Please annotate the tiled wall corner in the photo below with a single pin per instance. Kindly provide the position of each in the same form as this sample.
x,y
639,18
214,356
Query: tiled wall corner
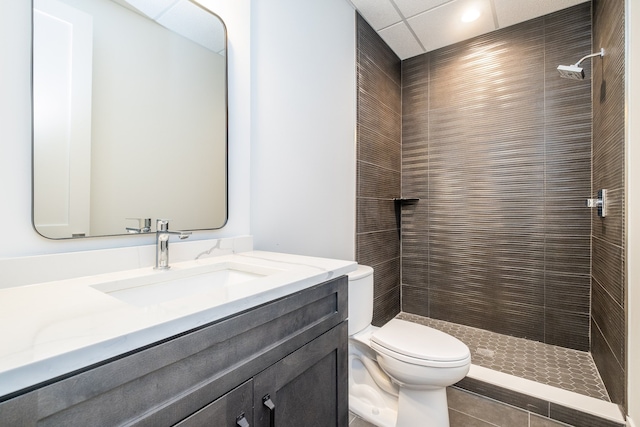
x,y
378,168
608,314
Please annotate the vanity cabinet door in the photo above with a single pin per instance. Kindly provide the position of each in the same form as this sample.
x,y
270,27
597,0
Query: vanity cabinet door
x,y
309,387
231,410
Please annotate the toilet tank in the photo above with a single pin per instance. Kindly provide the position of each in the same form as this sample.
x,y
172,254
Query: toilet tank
x,y
360,298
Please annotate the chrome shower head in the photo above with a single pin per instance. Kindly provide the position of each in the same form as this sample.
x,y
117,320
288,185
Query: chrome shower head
x,y
571,72
575,72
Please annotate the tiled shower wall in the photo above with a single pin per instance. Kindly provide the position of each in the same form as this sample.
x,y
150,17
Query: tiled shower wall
x,y
498,149
378,183
608,327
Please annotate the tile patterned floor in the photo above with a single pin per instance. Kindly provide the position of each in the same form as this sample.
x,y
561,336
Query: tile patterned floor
x,y
548,364
355,421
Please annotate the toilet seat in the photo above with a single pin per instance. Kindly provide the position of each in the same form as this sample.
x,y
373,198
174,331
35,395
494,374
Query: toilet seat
x,y
419,345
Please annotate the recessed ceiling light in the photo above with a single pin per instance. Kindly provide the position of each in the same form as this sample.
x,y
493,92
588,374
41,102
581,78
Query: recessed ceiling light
x,y
470,15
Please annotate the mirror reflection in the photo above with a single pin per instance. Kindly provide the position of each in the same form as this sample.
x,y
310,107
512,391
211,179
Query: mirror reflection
x,y
129,116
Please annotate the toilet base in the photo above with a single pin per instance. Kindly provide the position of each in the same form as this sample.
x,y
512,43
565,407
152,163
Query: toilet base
x,y
426,408
360,405
423,407
366,399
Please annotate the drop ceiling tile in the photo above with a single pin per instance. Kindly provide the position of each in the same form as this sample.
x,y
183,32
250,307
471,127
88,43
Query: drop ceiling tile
x,y
408,8
401,40
442,26
436,22
510,12
378,13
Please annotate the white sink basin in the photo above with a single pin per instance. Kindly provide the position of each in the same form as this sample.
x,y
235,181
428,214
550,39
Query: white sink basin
x,y
223,281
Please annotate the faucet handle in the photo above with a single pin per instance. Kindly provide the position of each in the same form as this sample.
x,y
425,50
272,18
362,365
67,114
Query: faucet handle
x,y
144,225
162,225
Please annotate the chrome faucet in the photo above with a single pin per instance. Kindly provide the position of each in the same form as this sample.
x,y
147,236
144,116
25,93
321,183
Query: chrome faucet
x,y
144,225
162,243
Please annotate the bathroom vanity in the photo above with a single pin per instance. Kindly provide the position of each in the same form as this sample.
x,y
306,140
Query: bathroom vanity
x,y
274,354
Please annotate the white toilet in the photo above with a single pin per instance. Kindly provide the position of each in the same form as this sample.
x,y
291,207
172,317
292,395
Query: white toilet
x,y
398,373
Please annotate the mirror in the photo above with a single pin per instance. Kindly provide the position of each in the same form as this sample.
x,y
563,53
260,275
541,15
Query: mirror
x,y
129,116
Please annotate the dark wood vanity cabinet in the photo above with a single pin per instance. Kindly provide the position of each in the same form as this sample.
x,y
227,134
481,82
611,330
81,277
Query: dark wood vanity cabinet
x,y
280,364
232,409
305,388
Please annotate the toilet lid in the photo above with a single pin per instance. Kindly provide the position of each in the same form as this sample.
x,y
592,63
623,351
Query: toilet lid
x,y
420,342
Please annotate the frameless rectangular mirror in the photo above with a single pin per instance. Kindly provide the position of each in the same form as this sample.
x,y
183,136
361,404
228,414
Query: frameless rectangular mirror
x,y
129,116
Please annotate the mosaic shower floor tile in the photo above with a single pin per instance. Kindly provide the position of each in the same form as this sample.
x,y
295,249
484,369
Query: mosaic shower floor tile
x,y
560,367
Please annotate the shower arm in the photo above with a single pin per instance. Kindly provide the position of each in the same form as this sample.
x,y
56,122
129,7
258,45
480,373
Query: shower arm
x,y
601,53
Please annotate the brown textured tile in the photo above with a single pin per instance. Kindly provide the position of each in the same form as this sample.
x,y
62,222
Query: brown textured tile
x,y
415,271
415,98
415,70
415,175
386,306
386,276
415,300
609,316
519,400
374,51
574,417
377,182
607,268
415,217
376,215
568,292
415,242
568,216
486,58
471,308
459,419
378,247
415,130
378,150
568,254
612,372
538,421
567,329
486,410
608,156
380,86
377,116
611,227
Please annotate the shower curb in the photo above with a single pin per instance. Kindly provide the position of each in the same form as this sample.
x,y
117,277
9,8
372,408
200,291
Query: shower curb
x,y
544,400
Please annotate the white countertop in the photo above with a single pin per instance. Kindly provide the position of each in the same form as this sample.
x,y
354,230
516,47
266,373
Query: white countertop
x,y
54,328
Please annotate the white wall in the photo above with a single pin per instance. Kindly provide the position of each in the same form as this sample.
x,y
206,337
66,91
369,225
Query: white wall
x,y
303,127
17,235
633,206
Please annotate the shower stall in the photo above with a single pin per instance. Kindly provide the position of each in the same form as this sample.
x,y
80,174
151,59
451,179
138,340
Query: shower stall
x,y
474,163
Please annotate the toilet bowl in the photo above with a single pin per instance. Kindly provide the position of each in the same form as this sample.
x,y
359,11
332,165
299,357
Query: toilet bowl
x,y
398,373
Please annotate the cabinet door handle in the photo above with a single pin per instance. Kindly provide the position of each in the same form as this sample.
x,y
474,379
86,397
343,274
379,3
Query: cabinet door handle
x,y
241,421
266,401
